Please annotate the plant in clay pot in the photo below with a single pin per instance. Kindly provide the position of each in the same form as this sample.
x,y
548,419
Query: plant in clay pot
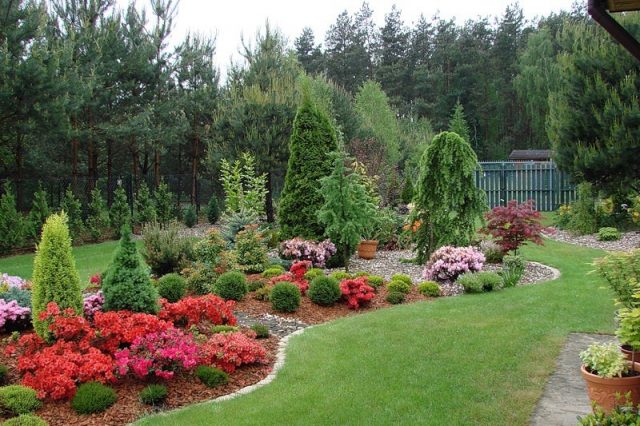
x,y
628,333
608,374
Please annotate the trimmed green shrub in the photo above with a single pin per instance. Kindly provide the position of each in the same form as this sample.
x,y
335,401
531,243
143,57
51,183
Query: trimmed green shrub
x,y
375,281
263,294
119,213
165,203
224,329
231,286
480,281
98,215
213,210
18,399
429,289
25,420
251,251
395,297
513,268
165,250
171,287
72,206
189,216
608,234
126,285
285,297
402,277
153,394
273,271
313,273
360,274
261,330
39,212
55,277
11,222
399,286
470,283
93,397
211,376
312,139
4,371
324,291
255,285
144,205
200,278
340,275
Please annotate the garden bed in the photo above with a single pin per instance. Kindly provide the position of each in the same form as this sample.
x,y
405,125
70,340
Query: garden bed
x,y
628,240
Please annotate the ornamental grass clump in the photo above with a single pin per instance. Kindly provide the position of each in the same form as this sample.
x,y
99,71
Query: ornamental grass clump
x,y
513,268
211,376
153,394
447,263
285,297
93,397
324,291
604,360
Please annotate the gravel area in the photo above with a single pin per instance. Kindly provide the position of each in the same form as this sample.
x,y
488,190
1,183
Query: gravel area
x,y
278,326
627,242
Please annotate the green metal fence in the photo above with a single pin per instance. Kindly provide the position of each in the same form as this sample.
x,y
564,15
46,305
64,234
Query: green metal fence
x,y
539,180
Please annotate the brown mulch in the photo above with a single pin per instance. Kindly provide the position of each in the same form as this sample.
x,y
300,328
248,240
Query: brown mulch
x,y
183,389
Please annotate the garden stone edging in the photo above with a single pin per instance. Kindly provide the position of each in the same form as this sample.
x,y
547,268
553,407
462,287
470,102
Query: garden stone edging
x,y
277,365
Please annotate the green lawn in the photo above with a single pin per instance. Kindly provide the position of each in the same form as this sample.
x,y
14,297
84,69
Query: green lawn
x,y
476,359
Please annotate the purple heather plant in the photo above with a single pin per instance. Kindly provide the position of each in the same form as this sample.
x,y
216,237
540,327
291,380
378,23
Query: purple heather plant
x,y
11,312
92,304
447,263
299,249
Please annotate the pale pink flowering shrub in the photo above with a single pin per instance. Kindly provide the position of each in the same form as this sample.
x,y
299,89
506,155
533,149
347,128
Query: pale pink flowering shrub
x,y
11,312
447,263
11,281
92,304
299,249
160,354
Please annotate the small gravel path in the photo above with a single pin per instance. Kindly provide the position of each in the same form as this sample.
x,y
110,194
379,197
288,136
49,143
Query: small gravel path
x,y
627,242
278,326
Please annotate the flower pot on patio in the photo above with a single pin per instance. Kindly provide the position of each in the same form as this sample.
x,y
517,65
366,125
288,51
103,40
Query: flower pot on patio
x,y
367,249
603,390
628,353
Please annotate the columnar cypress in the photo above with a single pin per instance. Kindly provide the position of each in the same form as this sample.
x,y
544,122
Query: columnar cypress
x,y
312,139
72,206
145,207
55,277
98,217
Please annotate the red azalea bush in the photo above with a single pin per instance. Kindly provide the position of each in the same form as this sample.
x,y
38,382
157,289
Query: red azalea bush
x,y
160,354
194,310
295,276
228,351
514,224
119,328
357,292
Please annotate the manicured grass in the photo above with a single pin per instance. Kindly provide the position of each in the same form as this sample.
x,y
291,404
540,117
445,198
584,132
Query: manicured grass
x,y
476,359
90,258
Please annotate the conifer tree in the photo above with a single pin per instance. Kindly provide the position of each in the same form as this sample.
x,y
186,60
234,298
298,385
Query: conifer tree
x,y
144,206
72,206
11,221
165,204
447,202
39,212
313,138
119,213
55,277
458,123
98,216
347,209
213,210
127,285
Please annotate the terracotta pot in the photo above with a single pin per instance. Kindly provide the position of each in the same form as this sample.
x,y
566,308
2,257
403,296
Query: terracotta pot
x,y
603,391
628,353
367,249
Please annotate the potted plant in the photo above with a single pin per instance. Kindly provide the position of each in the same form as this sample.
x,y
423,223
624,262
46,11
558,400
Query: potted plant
x,y
628,333
608,374
369,243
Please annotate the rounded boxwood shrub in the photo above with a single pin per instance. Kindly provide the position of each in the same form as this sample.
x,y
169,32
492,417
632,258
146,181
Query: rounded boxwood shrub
x,y
25,420
261,330
402,277
608,234
224,329
312,273
273,271
324,291
399,286
172,287
429,288
375,281
18,399
93,397
285,297
395,297
153,394
231,286
340,275
211,376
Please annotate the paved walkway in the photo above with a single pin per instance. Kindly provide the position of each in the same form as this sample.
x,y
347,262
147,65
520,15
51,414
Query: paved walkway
x,y
565,394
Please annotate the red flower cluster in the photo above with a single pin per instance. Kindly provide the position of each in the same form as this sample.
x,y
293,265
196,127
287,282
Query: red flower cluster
x,y
95,280
228,351
194,310
357,292
119,328
295,276
513,225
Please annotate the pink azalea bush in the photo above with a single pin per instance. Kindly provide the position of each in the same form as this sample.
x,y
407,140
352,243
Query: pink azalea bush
x,y
160,354
229,351
11,281
299,249
11,312
448,263
92,304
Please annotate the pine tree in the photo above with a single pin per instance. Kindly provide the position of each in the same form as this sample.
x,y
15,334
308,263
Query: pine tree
x,y
72,206
144,206
213,210
165,203
448,203
312,140
119,214
39,213
458,123
55,277
11,221
347,209
127,285
98,216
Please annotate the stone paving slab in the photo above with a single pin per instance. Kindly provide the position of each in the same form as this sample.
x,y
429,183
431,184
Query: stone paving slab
x,y
565,394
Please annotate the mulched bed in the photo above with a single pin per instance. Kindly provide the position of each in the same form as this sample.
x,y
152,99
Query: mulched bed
x,y
183,389
628,240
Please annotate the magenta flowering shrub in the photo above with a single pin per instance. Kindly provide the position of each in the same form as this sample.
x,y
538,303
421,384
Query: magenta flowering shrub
x,y
160,354
92,304
11,313
299,249
447,263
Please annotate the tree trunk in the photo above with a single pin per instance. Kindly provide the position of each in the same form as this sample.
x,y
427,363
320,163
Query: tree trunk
x,y
156,167
269,198
19,155
74,164
134,164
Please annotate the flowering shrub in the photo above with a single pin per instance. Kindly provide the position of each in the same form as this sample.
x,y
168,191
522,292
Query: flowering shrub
x,y
11,313
10,281
299,249
357,292
447,263
118,328
194,310
513,225
160,354
95,280
92,303
228,351
295,275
